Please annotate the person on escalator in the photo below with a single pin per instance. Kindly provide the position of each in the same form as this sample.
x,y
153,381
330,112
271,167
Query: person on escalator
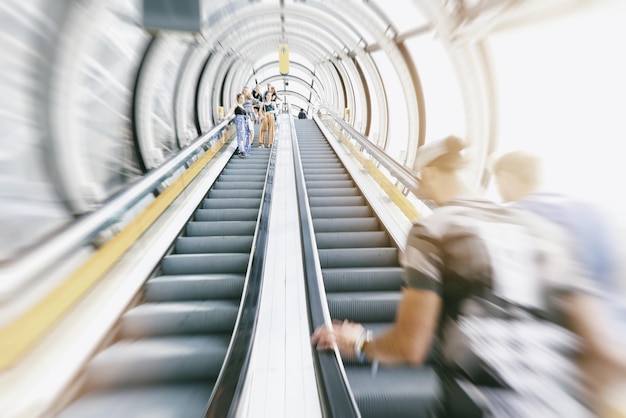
x,y
267,111
468,246
258,97
241,124
519,179
248,104
302,114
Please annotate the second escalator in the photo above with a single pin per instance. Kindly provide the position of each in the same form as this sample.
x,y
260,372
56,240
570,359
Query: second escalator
x,y
362,279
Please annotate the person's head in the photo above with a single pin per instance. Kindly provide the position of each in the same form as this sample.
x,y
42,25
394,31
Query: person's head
x,y
246,92
438,163
268,96
257,88
517,174
240,98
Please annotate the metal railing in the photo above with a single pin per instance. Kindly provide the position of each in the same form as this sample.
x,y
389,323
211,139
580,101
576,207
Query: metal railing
x,y
19,272
404,175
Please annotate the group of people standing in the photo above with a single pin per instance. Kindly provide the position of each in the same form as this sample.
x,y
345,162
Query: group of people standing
x,y
252,107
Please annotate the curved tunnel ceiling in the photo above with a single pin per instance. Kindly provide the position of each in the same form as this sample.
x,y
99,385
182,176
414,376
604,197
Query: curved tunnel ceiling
x,y
322,32
123,98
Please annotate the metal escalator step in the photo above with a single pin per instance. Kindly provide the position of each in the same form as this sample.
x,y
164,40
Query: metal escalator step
x,y
329,184
231,214
341,212
326,177
326,192
364,306
220,228
157,360
397,392
323,165
246,171
251,181
323,171
218,244
337,201
345,224
232,203
238,185
358,257
352,239
363,279
194,287
162,401
320,158
319,154
205,263
229,193
183,317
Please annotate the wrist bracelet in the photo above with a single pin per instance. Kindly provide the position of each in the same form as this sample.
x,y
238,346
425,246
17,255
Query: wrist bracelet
x,y
359,344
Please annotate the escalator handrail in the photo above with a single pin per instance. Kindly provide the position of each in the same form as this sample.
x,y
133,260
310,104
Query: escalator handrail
x,y
404,175
21,271
337,399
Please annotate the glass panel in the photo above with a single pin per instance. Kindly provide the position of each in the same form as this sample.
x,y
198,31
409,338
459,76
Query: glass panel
x,y
404,14
30,207
397,109
561,90
374,134
440,85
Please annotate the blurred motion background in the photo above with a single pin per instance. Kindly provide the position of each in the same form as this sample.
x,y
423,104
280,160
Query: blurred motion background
x,y
91,100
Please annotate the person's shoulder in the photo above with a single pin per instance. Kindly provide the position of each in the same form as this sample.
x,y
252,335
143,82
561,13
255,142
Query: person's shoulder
x,y
439,221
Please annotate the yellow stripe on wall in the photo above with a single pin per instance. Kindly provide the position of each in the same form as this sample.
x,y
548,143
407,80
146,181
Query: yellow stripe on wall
x,y
19,336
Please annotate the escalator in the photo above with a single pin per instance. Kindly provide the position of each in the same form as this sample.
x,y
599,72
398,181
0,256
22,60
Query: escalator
x,y
169,348
362,279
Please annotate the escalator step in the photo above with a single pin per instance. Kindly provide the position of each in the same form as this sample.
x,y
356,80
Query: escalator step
x,y
229,193
162,401
364,306
397,392
157,360
230,214
337,201
358,257
353,239
363,279
342,191
219,244
232,203
194,287
345,224
184,317
341,212
205,263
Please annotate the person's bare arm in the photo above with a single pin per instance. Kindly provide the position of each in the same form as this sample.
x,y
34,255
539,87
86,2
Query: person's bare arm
x,y
408,341
410,338
590,321
231,111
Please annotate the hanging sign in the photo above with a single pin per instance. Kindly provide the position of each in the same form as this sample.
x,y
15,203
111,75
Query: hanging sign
x,y
283,59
